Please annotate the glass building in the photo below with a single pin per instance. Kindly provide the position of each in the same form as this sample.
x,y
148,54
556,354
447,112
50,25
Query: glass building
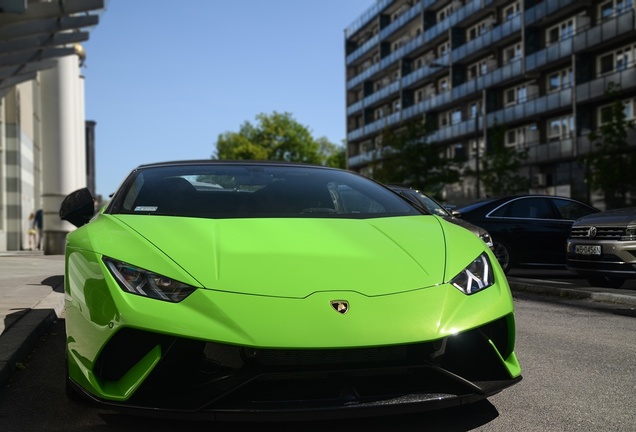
x,y
541,68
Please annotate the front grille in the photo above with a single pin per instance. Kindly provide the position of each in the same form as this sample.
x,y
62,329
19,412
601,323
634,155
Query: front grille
x,y
602,233
210,376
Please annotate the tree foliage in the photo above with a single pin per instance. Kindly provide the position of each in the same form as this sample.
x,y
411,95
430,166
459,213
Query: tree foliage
x,y
407,157
499,171
611,163
280,137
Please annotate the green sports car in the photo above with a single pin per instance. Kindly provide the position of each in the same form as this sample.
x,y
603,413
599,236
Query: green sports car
x,y
224,290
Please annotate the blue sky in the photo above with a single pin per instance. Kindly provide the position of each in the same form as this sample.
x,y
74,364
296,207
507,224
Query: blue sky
x,y
165,78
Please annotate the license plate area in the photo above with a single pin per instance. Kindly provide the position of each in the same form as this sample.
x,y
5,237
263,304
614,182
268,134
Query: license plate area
x,y
587,249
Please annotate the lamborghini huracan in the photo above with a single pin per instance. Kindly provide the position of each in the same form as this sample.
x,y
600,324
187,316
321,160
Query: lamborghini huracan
x,y
230,290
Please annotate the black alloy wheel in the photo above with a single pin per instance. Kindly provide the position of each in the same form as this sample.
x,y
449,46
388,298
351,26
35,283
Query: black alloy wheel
x,y
503,255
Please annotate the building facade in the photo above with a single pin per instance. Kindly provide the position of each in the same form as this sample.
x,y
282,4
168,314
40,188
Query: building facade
x,y
540,68
43,132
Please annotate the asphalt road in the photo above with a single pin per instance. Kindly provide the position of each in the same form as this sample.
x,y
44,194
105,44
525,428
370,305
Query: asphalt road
x,y
578,366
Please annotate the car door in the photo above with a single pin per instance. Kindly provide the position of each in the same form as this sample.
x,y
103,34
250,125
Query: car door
x,y
532,230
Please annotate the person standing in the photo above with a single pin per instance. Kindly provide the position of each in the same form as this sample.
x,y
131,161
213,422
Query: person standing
x,y
32,232
37,224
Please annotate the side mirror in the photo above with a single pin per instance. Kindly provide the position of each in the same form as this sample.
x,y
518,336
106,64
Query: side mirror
x,y
78,207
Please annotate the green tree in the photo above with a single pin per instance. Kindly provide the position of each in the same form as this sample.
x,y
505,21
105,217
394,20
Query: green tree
x,y
407,157
277,136
612,162
500,166
331,155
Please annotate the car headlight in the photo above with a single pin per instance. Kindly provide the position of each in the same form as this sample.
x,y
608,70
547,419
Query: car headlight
x,y
138,281
630,233
476,277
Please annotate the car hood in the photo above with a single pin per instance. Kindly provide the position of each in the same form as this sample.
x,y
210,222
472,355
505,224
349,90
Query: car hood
x,y
287,257
618,217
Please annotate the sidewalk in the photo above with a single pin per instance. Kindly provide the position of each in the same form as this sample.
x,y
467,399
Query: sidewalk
x,y
32,297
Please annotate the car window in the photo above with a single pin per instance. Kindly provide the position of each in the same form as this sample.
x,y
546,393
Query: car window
x,y
433,206
226,191
572,210
525,208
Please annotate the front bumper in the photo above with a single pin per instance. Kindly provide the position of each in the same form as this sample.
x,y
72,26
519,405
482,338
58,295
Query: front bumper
x,y
223,382
617,259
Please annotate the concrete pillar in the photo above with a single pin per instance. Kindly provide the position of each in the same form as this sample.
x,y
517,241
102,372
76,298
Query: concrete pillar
x,y
61,145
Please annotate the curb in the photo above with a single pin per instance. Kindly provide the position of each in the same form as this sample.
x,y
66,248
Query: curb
x,y
590,294
21,337
18,341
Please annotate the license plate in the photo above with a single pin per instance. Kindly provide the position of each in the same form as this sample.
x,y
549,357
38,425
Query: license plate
x,y
587,249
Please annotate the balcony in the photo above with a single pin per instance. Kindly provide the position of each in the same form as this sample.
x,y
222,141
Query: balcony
x,y
537,107
487,39
460,15
551,151
597,87
385,92
367,16
544,9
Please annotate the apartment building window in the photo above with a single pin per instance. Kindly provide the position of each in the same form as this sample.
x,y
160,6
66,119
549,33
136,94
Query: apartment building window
x,y
512,53
480,68
605,112
426,59
424,93
444,119
400,42
473,147
405,7
617,60
366,147
522,136
450,117
612,8
474,109
448,10
560,128
381,112
480,28
559,80
443,84
561,31
515,95
456,116
443,48
511,11
381,83
419,95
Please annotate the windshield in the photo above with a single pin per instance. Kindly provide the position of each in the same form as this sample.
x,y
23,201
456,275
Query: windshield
x,y
216,190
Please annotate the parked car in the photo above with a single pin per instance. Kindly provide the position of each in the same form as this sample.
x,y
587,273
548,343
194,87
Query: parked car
x,y
602,247
290,290
421,199
527,230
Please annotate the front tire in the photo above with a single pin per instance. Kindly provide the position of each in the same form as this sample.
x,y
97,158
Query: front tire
x,y
606,281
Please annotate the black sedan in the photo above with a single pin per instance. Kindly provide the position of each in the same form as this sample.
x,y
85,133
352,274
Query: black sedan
x,y
527,230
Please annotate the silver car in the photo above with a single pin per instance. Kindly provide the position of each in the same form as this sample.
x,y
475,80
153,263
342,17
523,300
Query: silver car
x,y
602,247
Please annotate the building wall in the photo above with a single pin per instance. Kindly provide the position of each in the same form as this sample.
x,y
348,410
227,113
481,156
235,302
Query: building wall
x,y
19,166
538,67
